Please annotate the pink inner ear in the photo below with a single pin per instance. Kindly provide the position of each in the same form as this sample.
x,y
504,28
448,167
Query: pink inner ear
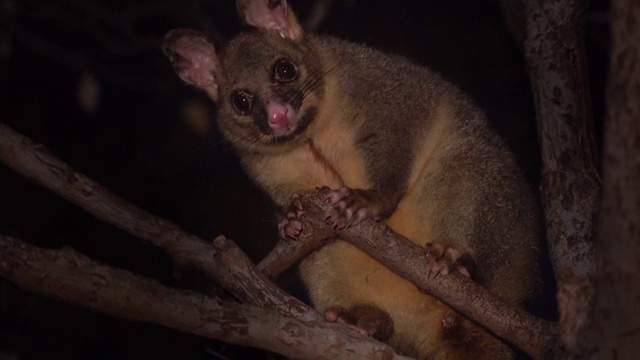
x,y
266,14
200,61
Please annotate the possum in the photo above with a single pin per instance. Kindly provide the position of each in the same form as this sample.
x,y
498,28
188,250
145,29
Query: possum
x,y
395,142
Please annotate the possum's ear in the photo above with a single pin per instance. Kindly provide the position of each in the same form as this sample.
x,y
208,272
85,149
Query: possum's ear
x,y
194,59
270,15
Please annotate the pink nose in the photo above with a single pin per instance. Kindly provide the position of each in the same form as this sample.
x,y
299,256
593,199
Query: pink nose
x,y
279,115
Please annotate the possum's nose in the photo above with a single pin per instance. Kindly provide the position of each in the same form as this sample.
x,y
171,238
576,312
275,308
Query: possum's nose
x,y
282,118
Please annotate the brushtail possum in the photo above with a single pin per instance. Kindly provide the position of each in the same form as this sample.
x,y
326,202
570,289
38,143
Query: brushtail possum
x,y
395,142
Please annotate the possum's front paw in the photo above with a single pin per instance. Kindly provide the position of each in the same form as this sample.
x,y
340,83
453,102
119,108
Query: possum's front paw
x,y
369,320
443,259
350,206
291,226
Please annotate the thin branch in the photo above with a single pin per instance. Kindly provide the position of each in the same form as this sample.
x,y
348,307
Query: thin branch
x,y
535,336
224,262
285,325
69,276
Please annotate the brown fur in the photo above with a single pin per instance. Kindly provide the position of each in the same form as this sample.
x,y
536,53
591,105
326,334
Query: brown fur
x,y
436,171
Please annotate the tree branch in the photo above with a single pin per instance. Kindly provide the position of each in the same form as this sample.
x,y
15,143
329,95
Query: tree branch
x,y
535,336
69,276
223,262
302,332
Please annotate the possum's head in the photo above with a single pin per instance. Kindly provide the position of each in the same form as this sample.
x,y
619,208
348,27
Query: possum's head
x,y
266,83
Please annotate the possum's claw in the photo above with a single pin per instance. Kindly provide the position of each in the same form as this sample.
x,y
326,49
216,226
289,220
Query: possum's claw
x,y
443,259
367,319
350,207
290,226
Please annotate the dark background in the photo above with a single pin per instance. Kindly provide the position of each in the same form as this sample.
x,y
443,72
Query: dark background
x,y
152,140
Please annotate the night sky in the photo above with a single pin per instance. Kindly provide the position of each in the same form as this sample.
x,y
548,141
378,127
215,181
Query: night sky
x,y
88,80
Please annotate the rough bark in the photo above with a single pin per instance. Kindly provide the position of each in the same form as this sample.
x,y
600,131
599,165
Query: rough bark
x,y
555,55
221,261
616,330
225,262
536,337
67,275
73,278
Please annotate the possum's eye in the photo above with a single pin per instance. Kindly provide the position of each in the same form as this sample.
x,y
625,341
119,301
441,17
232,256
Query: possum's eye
x,y
285,71
241,101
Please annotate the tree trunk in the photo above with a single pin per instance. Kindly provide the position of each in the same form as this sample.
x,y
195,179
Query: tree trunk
x,y
555,54
616,330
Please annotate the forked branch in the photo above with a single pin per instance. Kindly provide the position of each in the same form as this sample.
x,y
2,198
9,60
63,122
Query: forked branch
x,y
69,276
225,263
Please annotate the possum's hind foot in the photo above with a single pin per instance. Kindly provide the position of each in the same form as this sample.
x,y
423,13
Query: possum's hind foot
x,y
368,319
